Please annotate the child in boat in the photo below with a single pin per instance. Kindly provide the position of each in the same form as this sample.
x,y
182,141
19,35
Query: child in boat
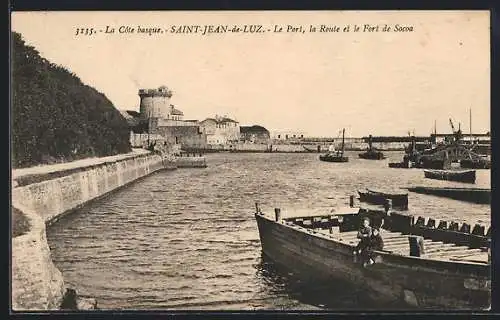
x,y
364,235
376,243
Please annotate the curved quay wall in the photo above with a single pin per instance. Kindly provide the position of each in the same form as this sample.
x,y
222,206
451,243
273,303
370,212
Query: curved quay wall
x,y
45,197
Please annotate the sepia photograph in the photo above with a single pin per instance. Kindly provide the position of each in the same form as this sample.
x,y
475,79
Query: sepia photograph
x,y
250,161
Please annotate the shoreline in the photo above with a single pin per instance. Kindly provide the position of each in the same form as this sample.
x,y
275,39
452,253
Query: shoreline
x,y
265,150
48,193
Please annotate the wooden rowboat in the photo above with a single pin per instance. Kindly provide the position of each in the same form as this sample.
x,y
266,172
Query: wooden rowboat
x,y
474,195
451,271
399,199
467,176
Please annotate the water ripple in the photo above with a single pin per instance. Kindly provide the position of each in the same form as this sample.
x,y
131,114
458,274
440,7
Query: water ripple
x,y
196,245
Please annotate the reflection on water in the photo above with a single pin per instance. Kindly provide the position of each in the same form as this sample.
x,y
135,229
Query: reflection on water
x,y
187,239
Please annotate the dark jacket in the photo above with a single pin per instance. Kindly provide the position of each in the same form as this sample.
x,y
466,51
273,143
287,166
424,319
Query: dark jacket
x,y
376,242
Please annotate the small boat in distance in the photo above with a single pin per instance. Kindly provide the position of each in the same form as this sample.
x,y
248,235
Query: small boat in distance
x,y
466,176
398,165
371,153
335,156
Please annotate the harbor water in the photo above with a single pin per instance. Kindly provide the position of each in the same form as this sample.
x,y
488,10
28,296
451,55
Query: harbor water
x,y
187,239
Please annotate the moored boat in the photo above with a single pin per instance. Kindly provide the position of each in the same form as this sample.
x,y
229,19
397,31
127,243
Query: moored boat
x,y
332,157
398,165
335,156
474,195
449,269
475,164
371,153
467,176
398,199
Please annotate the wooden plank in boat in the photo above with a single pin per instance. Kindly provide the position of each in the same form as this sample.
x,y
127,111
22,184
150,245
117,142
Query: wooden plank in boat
x,y
428,247
405,249
396,242
478,258
449,252
299,213
388,191
436,246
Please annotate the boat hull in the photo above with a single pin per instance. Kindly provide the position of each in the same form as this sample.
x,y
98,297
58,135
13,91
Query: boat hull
x,y
469,164
468,176
398,165
391,280
398,200
372,155
481,196
333,158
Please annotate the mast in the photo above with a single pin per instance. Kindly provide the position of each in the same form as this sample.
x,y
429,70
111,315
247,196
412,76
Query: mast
x,y
470,125
149,128
343,132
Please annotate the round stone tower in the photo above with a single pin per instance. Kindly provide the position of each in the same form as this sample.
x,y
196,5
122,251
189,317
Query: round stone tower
x,y
155,103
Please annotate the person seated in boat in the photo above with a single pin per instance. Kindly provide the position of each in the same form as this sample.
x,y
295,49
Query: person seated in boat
x,y
376,243
331,149
364,235
376,240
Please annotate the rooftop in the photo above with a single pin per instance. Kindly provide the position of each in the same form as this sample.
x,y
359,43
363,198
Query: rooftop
x,y
162,91
218,119
175,111
253,129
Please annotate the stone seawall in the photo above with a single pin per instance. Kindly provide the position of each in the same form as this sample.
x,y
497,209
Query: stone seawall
x,y
297,148
46,193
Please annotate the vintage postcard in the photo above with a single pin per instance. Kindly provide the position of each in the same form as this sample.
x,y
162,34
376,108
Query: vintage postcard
x,y
251,160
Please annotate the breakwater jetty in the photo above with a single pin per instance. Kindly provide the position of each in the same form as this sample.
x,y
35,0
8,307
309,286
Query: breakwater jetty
x,y
44,194
292,148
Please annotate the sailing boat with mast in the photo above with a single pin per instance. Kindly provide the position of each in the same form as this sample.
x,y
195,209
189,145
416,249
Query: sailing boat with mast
x,y
371,153
335,156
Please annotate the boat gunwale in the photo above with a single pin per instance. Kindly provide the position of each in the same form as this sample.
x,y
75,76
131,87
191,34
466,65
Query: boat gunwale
x,y
452,171
450,188
381,193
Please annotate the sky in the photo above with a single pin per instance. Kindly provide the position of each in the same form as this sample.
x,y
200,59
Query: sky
x,y
379,83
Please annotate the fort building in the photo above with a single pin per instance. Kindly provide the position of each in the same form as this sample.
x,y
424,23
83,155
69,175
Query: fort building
x,y
159,120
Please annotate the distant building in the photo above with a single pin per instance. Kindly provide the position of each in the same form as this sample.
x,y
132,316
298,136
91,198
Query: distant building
x,y
220,130
254,134
287,135
484,138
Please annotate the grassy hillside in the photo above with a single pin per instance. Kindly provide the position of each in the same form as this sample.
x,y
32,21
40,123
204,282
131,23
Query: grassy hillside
x,y
56,117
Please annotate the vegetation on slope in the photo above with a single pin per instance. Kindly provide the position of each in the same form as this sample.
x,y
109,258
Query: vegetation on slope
x,y
56,117
20,223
